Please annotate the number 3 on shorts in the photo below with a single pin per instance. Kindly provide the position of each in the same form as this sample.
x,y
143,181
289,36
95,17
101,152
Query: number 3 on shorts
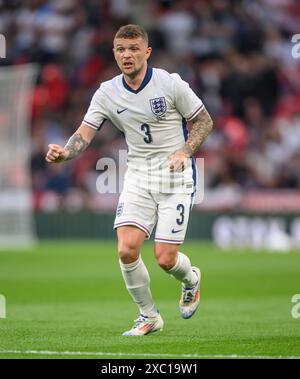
x,y
180,220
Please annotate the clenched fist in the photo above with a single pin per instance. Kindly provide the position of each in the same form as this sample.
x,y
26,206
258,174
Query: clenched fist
x,y
56,153
178,161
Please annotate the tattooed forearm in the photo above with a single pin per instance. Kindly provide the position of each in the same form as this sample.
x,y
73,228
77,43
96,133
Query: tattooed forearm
x,y
202,126
75,146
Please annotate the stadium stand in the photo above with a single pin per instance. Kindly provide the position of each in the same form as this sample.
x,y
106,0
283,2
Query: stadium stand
x,y
235,54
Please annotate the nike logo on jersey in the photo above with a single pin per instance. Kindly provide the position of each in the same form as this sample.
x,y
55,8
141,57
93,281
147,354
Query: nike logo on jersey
x,y
121,110
176,231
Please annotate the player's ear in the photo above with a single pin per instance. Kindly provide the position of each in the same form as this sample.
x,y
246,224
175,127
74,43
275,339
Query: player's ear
x,y
149,51
114,52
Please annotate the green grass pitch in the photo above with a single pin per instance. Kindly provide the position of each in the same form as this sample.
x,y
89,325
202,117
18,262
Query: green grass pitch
x,y
65,298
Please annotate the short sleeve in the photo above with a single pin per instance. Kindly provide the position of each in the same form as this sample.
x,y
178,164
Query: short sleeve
x,y
96,113
187,102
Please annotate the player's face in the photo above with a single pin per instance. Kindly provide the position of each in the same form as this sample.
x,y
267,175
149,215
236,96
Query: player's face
x,y
131,55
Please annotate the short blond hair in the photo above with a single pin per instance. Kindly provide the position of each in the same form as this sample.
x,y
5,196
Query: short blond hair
x,y
131,31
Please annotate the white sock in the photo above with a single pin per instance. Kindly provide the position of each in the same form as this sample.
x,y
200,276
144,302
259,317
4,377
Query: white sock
x,y
137,282
183,272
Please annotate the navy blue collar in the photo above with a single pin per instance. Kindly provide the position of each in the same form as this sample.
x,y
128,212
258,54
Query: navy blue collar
x,y
146,80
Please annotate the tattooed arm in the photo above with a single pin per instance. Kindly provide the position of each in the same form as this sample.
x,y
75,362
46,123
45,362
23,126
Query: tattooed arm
x,y
78,142
202,126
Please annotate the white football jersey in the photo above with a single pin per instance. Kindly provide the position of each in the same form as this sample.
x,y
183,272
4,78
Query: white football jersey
x,y
153,120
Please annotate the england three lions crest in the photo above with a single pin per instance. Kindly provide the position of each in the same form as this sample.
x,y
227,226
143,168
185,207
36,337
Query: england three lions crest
x,y
158,106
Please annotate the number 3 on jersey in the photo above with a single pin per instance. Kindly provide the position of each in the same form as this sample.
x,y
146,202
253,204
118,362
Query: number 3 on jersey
x,y
147,130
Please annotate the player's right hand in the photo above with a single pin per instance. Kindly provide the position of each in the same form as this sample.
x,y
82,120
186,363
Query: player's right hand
x,y
56,153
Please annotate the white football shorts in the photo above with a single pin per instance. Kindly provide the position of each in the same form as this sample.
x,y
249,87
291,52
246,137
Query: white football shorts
x,y
143,209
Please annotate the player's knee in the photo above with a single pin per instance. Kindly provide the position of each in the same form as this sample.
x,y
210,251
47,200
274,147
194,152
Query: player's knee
x,y
128,252
166,260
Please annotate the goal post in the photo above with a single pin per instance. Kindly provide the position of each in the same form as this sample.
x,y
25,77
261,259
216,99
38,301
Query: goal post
x,y
16,202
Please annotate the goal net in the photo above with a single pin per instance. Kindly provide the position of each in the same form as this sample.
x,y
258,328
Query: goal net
x,y
16,205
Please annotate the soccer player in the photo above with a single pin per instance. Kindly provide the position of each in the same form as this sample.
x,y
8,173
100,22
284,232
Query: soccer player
x,y
151,107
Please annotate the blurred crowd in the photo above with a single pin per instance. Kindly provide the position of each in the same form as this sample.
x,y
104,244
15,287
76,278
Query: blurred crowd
x,y
236,55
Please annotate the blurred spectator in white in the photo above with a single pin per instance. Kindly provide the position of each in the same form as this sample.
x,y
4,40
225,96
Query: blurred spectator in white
x,y
178,25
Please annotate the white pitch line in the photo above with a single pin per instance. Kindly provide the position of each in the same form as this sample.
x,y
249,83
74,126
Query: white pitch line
x,y
101,353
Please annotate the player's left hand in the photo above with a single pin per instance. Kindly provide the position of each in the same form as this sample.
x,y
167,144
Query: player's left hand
x,y
178,161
